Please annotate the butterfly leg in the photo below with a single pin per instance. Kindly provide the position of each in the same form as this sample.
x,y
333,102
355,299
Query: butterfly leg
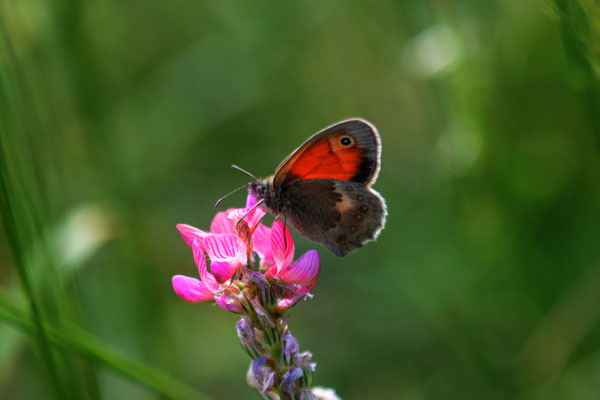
x,y
284,227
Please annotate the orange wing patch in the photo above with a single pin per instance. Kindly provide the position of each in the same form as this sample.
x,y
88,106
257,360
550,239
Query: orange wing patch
x,y
347,151
326,159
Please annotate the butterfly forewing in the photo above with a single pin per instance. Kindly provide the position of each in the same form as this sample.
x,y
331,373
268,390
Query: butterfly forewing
x,y
347,151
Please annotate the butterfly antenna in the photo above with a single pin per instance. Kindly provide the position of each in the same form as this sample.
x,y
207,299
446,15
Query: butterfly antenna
x,y
227,195
249,211
244,171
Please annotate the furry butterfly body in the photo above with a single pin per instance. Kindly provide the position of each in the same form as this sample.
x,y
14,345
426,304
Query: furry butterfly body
x,y
323,188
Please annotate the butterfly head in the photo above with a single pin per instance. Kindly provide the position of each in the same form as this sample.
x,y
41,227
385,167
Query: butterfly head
x,y
261,188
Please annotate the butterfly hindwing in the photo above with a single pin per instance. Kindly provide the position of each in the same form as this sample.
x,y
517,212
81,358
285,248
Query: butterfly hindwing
x,y
340,215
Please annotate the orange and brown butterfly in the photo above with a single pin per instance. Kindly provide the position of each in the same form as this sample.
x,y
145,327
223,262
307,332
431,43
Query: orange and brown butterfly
x,y
323,189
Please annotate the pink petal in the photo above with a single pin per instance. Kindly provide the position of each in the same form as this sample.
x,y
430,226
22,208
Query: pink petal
x,y
271,272
199,258
303,290
207,278
284,304
189,233
227,253
235,214
282,246
255,216
222,224
250,201
223,270
300,293
305,270
190,289
227,303
225,248
252,218
262,243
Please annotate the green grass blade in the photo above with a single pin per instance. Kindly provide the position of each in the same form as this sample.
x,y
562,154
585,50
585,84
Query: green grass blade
x,y
90,348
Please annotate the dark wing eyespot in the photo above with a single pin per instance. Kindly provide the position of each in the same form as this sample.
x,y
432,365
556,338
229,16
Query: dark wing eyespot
x,y
346,141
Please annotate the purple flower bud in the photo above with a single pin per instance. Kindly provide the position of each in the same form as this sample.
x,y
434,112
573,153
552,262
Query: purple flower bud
x,y
251,380
307,395
268,382
245,332
288,379
257,278
257,367
263,316
290,347
266,294
303,360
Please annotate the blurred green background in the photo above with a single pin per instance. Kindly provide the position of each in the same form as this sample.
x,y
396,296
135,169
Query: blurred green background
x,y
119,119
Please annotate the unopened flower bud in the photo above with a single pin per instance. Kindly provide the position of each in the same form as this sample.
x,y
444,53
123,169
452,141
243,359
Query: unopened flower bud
x,y
307,394
303,360
268,382
245,332
290,347
288,379
265,292
263,316
252,380
257,367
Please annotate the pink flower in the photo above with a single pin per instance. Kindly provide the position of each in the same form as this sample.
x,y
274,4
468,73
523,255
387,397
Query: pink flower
x,y
208,288
301,275
230,247
249,269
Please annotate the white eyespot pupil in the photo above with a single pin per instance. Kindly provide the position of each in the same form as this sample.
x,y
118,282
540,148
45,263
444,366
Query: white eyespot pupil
x,y
346,141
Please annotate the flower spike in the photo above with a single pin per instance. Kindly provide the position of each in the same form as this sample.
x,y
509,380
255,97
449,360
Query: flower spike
x,y
249,269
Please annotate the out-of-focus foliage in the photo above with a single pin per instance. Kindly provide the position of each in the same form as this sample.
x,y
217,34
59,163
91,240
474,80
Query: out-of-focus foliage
x,y
119,119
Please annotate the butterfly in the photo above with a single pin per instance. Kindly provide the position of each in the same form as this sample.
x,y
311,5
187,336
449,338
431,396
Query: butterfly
x,y
323,188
